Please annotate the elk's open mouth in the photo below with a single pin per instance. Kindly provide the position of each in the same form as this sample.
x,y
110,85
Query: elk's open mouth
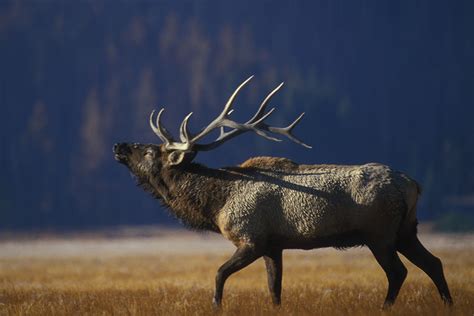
x,y
120,158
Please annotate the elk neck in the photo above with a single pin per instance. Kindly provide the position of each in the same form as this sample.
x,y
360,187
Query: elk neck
x,y
195,193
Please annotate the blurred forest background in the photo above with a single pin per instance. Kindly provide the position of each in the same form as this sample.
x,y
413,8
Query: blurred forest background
x,y
383,81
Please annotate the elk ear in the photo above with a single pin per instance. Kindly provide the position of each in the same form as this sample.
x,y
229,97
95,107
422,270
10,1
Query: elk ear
x,y
178,157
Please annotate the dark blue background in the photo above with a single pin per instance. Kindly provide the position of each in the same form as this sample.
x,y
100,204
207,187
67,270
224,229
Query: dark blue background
x,y
384,81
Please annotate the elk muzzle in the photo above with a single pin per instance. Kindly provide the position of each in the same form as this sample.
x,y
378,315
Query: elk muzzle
x,y
122,151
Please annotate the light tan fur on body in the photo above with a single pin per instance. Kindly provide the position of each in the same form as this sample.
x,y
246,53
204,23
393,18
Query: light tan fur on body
x,y
279,199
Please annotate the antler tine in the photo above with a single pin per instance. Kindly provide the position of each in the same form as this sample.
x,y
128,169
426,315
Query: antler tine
x,y
160,131
261,119
263,105
184,134
228,106
162,128
286,131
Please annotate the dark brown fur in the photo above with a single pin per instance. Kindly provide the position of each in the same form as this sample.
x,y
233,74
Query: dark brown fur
x,y
195,208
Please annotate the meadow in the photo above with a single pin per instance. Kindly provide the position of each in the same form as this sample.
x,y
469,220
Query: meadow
x,y
172,273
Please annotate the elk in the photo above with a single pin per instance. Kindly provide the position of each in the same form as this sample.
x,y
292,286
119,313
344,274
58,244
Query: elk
x,y
268,204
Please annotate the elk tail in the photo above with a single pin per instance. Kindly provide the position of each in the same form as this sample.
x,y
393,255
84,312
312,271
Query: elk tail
x,y
408,227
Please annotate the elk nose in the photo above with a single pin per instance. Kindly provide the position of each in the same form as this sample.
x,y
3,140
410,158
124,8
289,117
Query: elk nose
x,y
119,147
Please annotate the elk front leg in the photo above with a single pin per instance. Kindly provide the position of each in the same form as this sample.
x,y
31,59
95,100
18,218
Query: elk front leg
x,y
243,256
274,264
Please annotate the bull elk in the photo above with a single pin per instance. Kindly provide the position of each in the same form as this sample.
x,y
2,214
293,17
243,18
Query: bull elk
x,y
267,204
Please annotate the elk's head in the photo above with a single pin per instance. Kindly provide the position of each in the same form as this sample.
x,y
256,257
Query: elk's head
x,y
147,160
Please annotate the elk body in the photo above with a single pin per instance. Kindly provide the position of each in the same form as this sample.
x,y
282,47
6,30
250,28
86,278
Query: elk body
x,y
266,204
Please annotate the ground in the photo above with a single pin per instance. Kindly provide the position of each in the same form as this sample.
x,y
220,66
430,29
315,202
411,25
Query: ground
x,y
153,271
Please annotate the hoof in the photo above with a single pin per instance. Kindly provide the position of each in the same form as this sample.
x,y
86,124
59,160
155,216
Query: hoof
x,y
387,305
216,303
448,301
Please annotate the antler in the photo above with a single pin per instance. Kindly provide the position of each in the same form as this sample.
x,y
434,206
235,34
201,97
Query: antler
x,y
159,130
256,124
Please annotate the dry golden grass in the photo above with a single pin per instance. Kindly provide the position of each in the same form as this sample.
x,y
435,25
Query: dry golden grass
x,y
321,282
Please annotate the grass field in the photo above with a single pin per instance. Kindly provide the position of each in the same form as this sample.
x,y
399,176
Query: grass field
x,y
172,273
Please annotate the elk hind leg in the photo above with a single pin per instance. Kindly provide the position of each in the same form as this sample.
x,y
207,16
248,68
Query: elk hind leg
x,y
414,251
394,269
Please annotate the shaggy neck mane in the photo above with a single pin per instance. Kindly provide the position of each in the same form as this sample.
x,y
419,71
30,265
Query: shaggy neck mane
x,y
193,193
